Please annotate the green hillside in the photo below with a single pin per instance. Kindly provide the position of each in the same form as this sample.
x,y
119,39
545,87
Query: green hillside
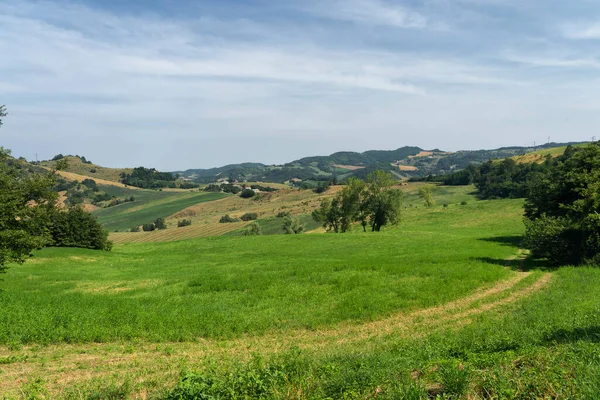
x,y
148,206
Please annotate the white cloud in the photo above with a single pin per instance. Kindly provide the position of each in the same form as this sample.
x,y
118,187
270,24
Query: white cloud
x,y
581,31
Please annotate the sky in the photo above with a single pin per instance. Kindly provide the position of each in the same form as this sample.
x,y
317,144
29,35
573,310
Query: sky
x,y
178,84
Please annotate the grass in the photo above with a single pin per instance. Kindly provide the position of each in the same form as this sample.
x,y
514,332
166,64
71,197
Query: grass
x,y
433,307
148,206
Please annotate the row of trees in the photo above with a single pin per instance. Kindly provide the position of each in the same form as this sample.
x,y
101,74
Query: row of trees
x,y
375,203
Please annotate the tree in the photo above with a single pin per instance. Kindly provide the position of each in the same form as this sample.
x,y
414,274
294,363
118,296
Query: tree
x,y
426,193
26,202
562,209
292,226
253,230
383,202
160,223
78,228
247,193
3,113
376,202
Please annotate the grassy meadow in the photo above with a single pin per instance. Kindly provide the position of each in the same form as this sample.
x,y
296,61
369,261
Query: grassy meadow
x,y
445,305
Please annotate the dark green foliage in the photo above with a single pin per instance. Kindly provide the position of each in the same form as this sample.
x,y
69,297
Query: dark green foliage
x,y
23,227
184,222
135,229
77,228
249,217
212,188
283,214
376,203
148,227
91,184
148,178
93,170
230,188
247,193
562,209
321,188
227,218
160,223
57,157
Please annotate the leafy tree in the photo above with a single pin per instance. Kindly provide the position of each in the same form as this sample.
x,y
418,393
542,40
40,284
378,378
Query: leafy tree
x,y
376,202
57,157
160,223
148,227
253,230
227,218
26,204
426,193
292,226
247,193
562,209
383,202
78,228
3,114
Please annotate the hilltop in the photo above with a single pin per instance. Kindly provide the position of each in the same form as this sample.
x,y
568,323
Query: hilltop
x,y
404,162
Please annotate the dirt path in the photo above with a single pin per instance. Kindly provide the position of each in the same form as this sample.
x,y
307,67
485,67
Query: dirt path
x,y
61,365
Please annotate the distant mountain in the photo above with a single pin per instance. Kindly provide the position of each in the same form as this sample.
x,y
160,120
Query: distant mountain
x,y
404,162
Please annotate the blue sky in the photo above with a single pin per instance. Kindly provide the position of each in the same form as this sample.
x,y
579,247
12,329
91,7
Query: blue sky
x,y
180,84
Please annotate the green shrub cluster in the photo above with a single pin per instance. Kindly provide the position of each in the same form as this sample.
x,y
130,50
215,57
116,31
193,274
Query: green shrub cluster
x,y
78,228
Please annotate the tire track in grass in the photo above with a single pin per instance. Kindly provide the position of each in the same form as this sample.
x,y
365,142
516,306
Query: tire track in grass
x,y
102,360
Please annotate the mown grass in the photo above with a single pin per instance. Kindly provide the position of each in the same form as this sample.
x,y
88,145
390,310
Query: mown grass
x,y
228,286
148,206
306,294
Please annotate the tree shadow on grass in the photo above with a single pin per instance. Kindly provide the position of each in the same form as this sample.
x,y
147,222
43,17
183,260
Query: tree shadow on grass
x,y
523,265
588,334
510,241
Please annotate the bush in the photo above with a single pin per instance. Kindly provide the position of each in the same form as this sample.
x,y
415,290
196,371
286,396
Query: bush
x,y
160,223
184,222
148,227
135,229
283,214
249,217
463,203
553,238
77,228
292,225
93,170
247,193
253,229
227,218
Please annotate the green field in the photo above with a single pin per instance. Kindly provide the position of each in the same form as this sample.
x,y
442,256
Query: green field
x,y
148,206
445,304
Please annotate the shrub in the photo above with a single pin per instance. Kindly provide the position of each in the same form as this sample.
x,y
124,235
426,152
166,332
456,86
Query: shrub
x,y
249,217
253,229
77,228
283,214
160,223
292,225
93,170
463,203
247,193
148,227
135,229
184,222
227,218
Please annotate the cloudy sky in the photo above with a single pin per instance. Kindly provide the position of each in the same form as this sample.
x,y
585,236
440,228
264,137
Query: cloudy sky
x,y
180,84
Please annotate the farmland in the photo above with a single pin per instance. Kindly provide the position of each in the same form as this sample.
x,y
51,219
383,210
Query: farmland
x,y
334,315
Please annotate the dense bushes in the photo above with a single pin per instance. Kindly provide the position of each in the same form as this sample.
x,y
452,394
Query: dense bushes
x,y
148,178
227,218
77,228
562,209
184,222
249,217
247,193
